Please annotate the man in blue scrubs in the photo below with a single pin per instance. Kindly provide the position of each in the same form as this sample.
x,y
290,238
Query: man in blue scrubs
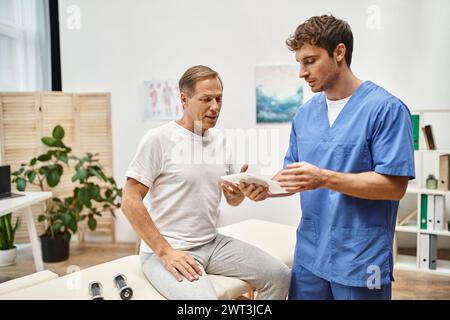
x,y
350,157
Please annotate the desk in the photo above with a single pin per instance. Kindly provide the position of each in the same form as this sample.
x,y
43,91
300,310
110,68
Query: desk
x,y
29,199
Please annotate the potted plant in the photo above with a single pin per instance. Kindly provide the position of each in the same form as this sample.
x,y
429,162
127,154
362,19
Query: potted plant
x,y
93,193
45,171
8,251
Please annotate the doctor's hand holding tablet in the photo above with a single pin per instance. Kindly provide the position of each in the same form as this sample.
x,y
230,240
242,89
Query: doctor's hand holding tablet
x,y
297,177
301,176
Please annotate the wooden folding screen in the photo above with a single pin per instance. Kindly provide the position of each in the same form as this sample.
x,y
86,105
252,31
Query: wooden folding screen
x,y
85,117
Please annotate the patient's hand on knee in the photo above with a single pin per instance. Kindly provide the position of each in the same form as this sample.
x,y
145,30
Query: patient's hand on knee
x,y
181,263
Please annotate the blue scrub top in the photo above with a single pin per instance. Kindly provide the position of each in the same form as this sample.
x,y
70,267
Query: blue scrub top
x,y
344,239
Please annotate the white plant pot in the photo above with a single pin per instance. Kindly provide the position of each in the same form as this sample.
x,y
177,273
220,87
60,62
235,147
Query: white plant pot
x,y
8,257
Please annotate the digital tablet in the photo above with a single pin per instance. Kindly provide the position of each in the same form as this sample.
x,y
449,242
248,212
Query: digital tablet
x,y
274,186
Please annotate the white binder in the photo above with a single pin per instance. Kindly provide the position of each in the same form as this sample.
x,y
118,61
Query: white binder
x,y
424,251
430,212
439,209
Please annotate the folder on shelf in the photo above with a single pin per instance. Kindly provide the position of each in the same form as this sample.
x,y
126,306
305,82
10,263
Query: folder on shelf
x,y
428,134
428,251
430,212
444,172
439,212
415,126
424,251
423,211
432,259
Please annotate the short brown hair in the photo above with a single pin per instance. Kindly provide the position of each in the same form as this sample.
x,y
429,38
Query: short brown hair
x,y
194,74
324,31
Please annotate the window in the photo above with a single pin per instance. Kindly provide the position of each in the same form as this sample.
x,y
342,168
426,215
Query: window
x,y
25,60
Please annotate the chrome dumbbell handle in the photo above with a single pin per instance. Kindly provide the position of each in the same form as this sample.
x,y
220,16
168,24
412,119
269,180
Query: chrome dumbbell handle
x,y
120,283
95,290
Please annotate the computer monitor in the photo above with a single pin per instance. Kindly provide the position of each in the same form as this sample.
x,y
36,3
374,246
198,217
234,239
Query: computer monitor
x,y
5,183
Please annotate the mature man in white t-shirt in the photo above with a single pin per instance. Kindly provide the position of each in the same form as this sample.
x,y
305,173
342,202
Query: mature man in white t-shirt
x,y
178,166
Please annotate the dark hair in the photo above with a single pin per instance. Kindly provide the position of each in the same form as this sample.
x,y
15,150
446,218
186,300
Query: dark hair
x,y
324,31
194,74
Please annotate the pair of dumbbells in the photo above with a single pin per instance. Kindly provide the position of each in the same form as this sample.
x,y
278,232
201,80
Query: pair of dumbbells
x,y
95,288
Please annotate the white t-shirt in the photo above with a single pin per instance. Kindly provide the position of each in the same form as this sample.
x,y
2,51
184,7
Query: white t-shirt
x,y
182,171
334,108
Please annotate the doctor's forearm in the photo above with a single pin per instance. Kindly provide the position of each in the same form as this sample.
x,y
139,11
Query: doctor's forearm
x,y
366,185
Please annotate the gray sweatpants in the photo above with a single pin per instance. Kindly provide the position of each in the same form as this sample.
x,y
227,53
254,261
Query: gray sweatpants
x,y
224,256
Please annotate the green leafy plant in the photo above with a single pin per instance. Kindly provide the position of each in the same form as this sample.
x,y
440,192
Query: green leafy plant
x,y
45,171
93,191
47,167
96,192
7,231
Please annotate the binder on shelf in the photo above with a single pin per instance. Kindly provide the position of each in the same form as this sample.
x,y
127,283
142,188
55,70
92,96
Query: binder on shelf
x,y
444,172
439,212
424,251
432,259
415,126
423,211
428,134
430,212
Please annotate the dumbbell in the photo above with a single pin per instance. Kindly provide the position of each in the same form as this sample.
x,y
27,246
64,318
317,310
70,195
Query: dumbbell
x,y
95,290
124,290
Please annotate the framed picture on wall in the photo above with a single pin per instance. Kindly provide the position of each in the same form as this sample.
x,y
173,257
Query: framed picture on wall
x,y
161,100
279,93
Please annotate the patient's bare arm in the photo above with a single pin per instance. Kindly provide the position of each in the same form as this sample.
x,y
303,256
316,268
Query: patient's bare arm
x,y
177,262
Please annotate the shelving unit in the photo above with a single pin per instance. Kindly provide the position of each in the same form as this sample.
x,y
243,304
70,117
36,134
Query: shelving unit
x,y
406,262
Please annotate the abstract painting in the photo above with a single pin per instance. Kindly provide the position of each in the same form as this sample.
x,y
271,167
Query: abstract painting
x,y
279,93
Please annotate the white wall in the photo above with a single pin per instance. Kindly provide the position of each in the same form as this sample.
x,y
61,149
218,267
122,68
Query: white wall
x,y
121,43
